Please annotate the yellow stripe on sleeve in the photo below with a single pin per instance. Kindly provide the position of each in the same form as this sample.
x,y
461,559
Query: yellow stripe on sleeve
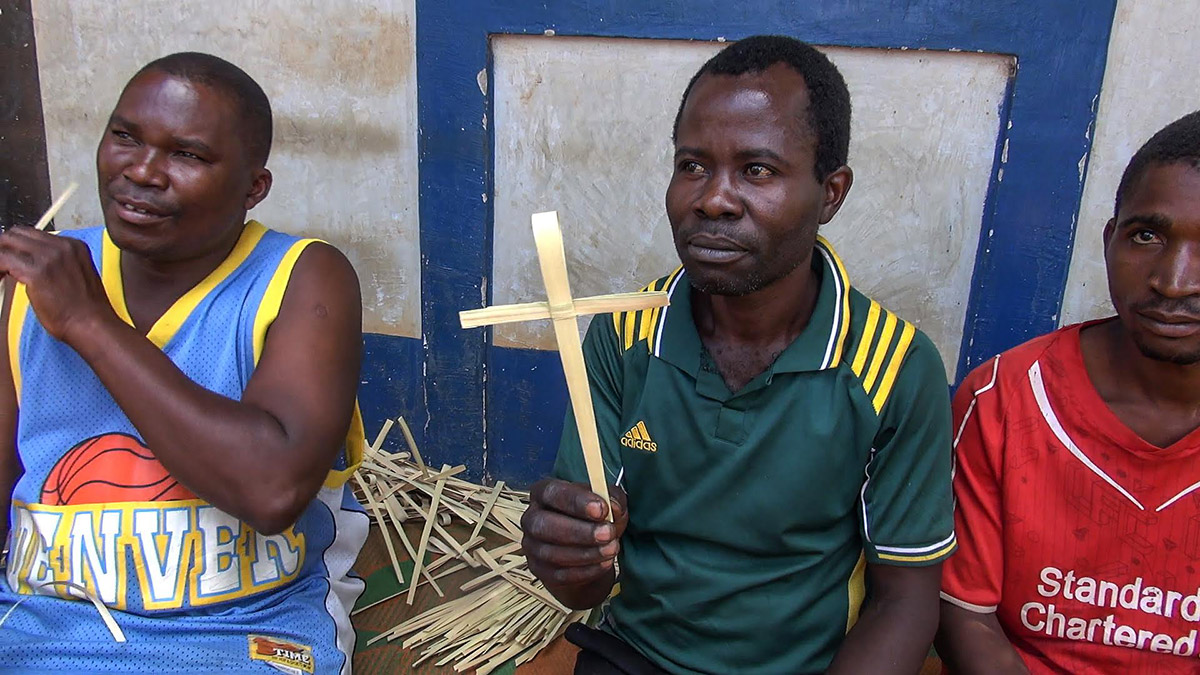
x,y
647,325
940,553
268,308
885,340
893,368
867,339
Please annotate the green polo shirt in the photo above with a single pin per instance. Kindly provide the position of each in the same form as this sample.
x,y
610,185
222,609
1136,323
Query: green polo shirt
x,y
752,515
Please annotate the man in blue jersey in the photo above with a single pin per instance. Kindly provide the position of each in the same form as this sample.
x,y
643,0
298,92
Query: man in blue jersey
x,y
178,419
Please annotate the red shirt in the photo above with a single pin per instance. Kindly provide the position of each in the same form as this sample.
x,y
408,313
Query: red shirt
x,y
1082,537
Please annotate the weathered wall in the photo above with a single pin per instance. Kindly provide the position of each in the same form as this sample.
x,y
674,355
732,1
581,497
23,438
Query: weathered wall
x,y
583,125
1150,81
24,179
341,77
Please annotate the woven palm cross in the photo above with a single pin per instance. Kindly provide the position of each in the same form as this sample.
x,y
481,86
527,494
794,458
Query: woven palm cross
x,y
563,309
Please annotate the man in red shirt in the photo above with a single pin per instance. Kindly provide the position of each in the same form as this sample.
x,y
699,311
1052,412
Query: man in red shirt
x,y
1078,461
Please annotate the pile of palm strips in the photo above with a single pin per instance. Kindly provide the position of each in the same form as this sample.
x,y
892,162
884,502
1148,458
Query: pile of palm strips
x,y
507,614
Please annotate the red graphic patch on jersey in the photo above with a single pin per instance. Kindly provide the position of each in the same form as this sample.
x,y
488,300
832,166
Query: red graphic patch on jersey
x,y
110,468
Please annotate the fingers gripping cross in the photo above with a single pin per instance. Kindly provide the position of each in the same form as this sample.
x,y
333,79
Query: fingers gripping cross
x,y
563,310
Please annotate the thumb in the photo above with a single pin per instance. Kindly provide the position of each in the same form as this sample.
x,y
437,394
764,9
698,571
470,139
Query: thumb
x,y
619,502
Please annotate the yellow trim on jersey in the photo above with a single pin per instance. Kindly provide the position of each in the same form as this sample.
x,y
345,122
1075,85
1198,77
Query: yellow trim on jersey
x,y
168,324
110,277
16,323
629,327
856,591
940,553
867,339
844,329
356,441
633,327
881,349
268,307
884,355
893,367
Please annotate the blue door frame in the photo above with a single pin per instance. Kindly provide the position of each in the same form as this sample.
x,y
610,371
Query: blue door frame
x,y
499,410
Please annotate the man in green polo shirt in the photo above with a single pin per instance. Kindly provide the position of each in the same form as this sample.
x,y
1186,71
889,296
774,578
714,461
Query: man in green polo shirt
x,y
781,443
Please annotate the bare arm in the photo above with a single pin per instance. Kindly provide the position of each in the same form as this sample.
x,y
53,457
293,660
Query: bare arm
x,y
896,625
973,643
292,417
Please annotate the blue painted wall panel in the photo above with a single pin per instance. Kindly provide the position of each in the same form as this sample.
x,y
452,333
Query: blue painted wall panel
x,y
390,387
526,409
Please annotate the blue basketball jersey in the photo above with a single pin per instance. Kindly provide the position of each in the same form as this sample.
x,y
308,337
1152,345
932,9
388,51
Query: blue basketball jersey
x,y
96,517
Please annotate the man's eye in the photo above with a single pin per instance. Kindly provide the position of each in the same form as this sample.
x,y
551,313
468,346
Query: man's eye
x,y
122,135
187,155
688,166
759,171
1144,237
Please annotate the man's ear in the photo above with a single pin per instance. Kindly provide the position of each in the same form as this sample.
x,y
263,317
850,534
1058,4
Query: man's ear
x,y
1110,228
836,185
260,187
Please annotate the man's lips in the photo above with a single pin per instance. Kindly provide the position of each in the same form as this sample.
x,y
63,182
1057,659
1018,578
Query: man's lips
x,y
1167,324
714,249
138,211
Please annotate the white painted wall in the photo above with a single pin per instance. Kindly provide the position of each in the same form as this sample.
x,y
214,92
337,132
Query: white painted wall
x,y
583,126
1149,81
341,76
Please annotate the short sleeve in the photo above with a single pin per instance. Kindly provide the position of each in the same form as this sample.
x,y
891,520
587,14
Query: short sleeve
x,y
973,579
907,505
603,356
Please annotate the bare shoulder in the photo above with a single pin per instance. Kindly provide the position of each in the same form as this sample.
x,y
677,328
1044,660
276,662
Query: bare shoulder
x,y
323,274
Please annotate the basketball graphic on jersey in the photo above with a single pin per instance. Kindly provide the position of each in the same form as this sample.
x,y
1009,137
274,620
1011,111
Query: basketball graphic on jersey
x,y
110,468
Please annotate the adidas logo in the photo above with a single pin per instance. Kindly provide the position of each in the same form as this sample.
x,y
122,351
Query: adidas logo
x,y
639,439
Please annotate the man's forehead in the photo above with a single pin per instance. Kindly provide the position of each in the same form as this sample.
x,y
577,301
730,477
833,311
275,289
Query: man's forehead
x,y
1171,180
1167,189
778,81
763,101
158,89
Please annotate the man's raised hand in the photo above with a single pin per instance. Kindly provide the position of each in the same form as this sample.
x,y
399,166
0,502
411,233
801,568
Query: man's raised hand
x,y
570,545
62,283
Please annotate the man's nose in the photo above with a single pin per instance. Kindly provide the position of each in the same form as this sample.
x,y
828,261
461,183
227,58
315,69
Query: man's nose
x,y
719,198
1177,274
145,168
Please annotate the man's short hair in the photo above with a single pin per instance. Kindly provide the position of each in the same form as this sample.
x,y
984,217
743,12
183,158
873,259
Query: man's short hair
x,y
217,73
828,114
1178,142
